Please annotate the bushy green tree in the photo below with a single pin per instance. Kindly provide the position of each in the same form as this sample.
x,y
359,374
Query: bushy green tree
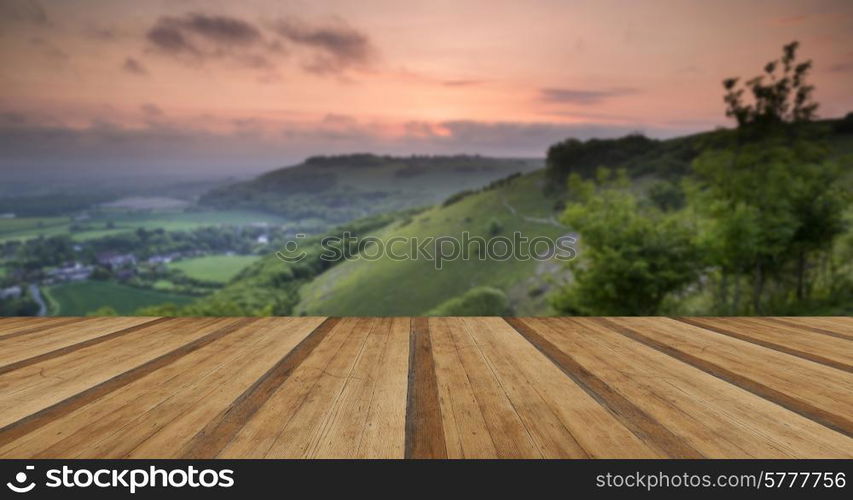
x,y
630,258
19,306
478,301
573,156
773,196
667,195
104,311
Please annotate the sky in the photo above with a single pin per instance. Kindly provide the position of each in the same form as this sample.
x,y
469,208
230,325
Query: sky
x,y
241,87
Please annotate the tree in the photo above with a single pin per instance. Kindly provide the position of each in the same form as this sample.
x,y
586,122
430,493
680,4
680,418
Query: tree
x,y
584,158
104,311
773,195
478,301
631,259
776,98
667,195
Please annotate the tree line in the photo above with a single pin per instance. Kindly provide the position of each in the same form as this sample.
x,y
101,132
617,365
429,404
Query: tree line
x,y
757,225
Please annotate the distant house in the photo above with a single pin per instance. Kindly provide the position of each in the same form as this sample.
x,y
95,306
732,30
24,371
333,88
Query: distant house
x,y
163,259
7,215
73,272
115,260
263,239
13,292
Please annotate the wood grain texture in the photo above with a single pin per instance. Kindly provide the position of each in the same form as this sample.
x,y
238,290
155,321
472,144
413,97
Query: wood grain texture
x,y
217,433
43,345
478,418
424,432
645,427
155,408
562,419
318,387
17,327
35,412
840,327
813,346
811,389
714,417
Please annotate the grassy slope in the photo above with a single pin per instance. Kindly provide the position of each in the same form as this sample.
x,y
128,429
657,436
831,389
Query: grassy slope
x,y
414,287
78,299
217,268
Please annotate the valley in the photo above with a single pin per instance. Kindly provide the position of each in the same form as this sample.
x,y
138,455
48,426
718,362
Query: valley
x,y
213,252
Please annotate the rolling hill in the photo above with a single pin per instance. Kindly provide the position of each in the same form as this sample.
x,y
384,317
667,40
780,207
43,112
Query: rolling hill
x,y
412,286
415,286
338,189
527,204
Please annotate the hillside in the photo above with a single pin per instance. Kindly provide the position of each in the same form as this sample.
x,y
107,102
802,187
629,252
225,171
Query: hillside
x,y
337,189
386,286
416,287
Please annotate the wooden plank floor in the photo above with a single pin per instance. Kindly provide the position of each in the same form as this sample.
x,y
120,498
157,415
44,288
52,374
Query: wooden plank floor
x,y
426,387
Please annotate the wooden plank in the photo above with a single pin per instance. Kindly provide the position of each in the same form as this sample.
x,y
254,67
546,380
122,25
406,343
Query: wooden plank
x,y
301,436
50,387
542,427
468,415
640,423
116,423
219,431
354,427
24,326
563,419
810,389
41,346
481,418
424,432
838,326
712,416
288,422
813,346
172,426
282,347
384,434
12,322
58,334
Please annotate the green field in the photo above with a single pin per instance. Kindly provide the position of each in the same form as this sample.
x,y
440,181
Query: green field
x,y
106,222
30,227
78,299
163,285
216,268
